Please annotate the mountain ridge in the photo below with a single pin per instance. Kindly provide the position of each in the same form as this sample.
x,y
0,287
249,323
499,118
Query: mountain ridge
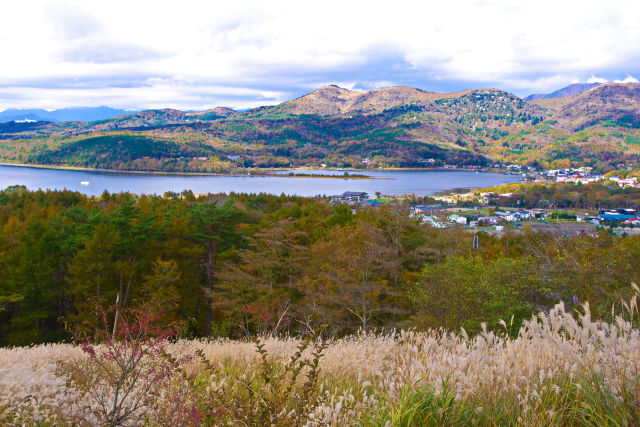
x,y
387,127
82,114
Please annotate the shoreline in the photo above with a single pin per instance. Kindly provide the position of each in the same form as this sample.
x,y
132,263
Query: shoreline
x,y
112,171
399,169
164,173
251,172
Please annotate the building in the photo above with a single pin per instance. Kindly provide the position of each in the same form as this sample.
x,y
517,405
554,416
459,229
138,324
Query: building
x,y
614,215
507,216
354,196
349,196
457,219
489,220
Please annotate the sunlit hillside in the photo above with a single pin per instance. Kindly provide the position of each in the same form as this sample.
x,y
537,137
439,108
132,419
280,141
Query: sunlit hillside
x,y
389,127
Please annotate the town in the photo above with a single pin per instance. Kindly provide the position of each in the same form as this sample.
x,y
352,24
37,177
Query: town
x,y
488,214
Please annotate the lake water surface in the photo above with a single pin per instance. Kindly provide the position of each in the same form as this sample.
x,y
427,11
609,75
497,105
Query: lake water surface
x,y
392,182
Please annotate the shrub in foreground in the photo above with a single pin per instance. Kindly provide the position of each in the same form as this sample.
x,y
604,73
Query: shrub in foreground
x,y
128,372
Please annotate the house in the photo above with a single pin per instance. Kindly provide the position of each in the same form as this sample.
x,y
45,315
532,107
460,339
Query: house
x,y
489,220
629,182
457,219
354,196
538,213
507,216
486,197
349,196
521,215
633,221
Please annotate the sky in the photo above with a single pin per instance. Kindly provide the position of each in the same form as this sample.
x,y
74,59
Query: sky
x,y
195,55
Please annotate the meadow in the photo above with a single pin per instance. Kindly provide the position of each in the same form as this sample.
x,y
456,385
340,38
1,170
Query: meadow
x,y
560,368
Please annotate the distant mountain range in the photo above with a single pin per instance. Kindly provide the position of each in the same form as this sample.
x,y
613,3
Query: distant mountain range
x,y
73,114
329,100
596,126
571,90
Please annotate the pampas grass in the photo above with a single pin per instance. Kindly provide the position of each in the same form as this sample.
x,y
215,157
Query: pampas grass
x,y
561,368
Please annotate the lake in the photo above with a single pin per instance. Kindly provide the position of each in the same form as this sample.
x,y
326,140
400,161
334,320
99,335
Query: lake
x,y
391,182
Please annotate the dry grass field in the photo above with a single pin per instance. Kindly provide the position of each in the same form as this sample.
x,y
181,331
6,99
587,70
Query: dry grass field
x,y
559,369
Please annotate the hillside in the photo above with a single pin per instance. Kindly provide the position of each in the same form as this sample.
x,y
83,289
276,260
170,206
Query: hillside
x,y
571,90
388,127
334,100
617,103
599,127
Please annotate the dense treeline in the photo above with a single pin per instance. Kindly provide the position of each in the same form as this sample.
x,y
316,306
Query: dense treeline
x,y
244,264
596,195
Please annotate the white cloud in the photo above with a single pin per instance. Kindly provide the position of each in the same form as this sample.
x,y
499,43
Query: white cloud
x,y
156,93
283,46
596,79
628,79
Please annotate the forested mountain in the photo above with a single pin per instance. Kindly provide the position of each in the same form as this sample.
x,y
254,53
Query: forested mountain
x,y
388,127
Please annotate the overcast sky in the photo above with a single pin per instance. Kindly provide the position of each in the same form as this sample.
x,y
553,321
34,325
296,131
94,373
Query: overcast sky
x,y
201,54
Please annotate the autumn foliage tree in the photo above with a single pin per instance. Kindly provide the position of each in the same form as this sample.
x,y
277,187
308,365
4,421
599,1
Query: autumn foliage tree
x,y
347,284
129,373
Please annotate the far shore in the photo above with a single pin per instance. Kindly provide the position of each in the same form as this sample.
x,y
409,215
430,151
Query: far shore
x,y
398,169
110,171
352,173
249,172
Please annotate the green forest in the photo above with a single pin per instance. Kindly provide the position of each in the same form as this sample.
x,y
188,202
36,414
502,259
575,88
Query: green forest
x,y
239,265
